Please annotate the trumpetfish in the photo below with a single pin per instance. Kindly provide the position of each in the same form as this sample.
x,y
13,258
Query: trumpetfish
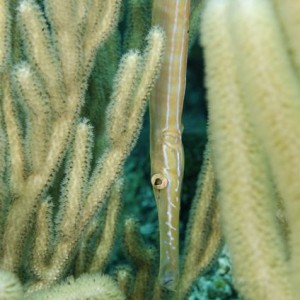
x,y
166,150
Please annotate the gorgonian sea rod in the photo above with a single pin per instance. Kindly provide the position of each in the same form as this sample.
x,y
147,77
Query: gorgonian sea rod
x,y
167,158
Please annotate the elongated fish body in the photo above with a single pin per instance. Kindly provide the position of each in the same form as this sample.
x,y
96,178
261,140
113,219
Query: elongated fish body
x,y
167,157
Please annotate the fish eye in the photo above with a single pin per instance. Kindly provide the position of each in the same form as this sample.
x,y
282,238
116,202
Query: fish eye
x,y
159,181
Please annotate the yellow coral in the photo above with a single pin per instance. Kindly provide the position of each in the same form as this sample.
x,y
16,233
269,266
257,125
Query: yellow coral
x,y
254,111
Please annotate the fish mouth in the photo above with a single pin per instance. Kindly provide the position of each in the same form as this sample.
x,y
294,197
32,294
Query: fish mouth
x,y
169,280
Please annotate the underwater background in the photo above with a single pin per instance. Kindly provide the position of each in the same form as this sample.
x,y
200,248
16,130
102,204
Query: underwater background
x,y
77,210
